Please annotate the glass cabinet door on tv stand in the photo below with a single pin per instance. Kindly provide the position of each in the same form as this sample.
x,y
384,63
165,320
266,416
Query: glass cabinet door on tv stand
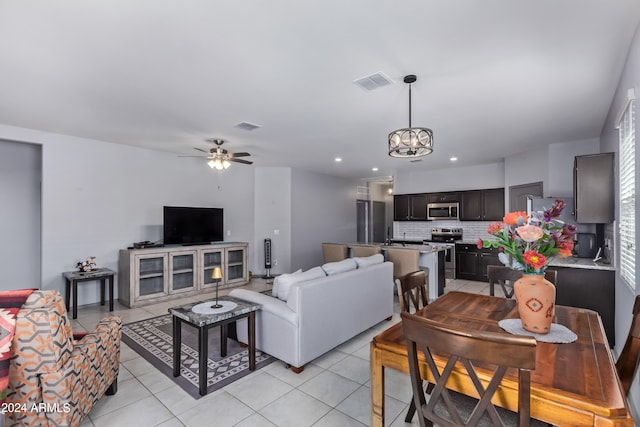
x,y
210,259
151,275
182,274
236,265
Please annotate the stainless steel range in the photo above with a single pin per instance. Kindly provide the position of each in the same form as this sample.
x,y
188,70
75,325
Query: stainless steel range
x,y
446,237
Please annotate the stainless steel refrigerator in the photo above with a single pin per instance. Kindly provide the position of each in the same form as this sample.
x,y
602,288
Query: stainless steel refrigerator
x,y
371,221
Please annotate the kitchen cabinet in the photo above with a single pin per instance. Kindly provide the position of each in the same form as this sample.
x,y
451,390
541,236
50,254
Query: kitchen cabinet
x,y
151,275
593,188
591,289
482,205
466,261
471,205
451,196
410,207
471,262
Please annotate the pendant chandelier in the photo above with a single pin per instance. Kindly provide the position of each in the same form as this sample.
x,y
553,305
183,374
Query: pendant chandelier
x,y
411,141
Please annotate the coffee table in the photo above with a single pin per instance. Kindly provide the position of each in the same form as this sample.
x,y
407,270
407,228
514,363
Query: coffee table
x,y
203,318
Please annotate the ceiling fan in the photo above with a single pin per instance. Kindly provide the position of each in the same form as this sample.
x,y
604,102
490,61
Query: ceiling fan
x,y
220,158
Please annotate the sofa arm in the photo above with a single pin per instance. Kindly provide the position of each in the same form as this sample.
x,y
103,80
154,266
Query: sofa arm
x,y
268,303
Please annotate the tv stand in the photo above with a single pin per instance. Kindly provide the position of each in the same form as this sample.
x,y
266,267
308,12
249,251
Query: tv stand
x,y
152,275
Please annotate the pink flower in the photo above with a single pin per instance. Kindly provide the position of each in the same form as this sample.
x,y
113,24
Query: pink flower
x,y
530,233
495,227
480,244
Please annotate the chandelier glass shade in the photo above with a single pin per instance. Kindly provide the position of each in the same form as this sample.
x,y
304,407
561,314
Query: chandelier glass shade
x,y
411,141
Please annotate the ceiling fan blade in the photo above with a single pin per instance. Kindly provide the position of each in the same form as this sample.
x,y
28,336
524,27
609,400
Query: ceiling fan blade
x,y
202,157
243,154
200,149
246,162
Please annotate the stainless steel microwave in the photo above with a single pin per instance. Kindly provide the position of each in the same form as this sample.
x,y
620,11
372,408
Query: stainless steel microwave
x,y
438,211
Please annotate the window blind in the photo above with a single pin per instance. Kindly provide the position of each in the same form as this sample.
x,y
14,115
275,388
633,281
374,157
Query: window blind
x,y
627,189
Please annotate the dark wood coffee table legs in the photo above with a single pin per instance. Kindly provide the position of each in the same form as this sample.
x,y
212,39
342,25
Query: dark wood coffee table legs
x,y
203,347
177,344
252,340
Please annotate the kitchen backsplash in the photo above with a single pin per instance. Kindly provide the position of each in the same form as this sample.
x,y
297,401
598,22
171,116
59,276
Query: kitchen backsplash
x,y
420,230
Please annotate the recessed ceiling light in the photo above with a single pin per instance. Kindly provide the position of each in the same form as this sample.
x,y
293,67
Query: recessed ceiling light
x,y
338,159
453,159
374,169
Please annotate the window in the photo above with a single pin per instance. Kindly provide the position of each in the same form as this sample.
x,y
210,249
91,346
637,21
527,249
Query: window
x,y
627,188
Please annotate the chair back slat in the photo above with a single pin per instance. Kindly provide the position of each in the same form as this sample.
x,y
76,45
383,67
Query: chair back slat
x,y
627,363
466,349
413,291
505,277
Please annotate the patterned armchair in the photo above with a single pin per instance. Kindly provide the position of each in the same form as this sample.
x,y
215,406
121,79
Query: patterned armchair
x,y
54,379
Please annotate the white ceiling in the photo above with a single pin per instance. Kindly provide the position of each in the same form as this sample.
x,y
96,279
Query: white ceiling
x,y
495,77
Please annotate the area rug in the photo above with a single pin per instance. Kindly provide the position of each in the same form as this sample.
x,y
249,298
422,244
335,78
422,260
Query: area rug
x,y
152,339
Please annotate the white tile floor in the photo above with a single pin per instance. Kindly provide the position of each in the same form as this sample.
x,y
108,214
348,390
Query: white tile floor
x,y
333,390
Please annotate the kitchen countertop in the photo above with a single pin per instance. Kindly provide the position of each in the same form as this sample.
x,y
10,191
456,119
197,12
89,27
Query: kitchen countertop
x,y
586,263
424,249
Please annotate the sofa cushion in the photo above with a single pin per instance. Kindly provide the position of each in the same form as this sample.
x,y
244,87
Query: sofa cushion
x,y
280,278
284,287
345,265
366,261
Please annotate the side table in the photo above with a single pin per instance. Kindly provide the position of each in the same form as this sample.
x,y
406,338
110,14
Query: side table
x,y
71,285
203,321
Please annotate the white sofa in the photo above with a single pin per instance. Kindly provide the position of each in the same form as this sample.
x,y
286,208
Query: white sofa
x,y
314,316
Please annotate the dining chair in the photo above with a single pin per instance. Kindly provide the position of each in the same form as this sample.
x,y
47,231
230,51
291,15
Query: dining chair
x,y
404,261
332,252
413,293
466,349
364,250
627,363
505,277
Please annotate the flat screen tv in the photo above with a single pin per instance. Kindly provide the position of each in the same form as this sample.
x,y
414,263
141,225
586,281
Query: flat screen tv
x,y
192,226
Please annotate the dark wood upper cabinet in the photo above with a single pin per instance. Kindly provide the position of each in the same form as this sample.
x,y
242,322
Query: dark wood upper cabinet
x,y
418,204
482,205
401,207
493,204
410,207
471,205
450,196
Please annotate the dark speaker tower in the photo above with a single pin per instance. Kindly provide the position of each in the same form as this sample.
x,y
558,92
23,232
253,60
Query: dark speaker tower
x,y
267,259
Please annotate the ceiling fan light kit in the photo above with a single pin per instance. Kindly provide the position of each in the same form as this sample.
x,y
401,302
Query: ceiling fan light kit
x,y
219,158
411,141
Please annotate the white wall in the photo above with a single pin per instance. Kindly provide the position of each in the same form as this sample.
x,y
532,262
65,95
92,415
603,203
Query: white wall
x,y
20,198
453,179
561,156
273,212
323,210
98,198
609,143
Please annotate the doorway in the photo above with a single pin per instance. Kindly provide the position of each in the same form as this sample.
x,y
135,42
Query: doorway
x,y
371,221
518,195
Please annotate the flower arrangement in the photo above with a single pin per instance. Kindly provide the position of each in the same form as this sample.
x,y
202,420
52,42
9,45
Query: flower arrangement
x,y
530,243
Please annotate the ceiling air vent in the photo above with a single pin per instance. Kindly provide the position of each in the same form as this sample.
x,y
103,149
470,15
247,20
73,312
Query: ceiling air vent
x,y
248,126
373,81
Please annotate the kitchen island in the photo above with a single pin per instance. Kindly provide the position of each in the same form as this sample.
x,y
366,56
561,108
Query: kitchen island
x,y
431,257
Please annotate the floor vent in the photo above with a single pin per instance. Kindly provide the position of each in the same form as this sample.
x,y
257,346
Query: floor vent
x,y
373,81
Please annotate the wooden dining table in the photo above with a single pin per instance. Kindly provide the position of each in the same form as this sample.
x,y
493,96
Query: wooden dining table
x,y
573,384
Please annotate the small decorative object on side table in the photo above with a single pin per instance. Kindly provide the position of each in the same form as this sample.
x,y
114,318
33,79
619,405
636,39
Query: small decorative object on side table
x,y
216,275
529,244
87,265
